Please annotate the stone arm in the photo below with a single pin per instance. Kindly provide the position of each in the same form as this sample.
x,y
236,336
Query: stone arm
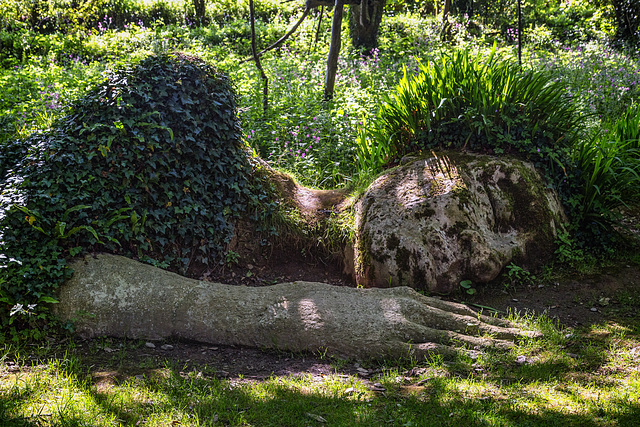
x,y
128,299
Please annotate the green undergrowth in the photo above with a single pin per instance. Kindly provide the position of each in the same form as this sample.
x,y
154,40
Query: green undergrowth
x,y
472,102
53,52
583,376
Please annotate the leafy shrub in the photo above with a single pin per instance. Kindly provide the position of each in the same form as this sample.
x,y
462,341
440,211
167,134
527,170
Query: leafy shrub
x,y
579,20
150,164
481,104
68,16
570,21
224,11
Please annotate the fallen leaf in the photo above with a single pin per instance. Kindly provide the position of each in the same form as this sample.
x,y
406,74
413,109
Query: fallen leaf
x,y
318,418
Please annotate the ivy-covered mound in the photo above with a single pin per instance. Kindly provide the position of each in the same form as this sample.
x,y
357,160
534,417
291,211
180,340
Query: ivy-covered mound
x,y
150,165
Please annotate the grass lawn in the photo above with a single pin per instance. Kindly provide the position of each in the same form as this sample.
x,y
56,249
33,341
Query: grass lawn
x,y
583,376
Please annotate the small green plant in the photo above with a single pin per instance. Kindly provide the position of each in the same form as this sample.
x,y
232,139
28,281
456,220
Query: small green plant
x,y
568,251
518,275
467,285
231,258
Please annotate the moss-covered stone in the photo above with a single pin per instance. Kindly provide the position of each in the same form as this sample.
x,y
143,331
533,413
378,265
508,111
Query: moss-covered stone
x,y
438,219
392,242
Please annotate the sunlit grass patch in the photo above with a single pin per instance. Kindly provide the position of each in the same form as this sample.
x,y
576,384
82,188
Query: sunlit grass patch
x,y
49,397
36,94
550,388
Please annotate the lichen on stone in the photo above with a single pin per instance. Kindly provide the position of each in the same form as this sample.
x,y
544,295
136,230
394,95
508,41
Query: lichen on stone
x,y
438,219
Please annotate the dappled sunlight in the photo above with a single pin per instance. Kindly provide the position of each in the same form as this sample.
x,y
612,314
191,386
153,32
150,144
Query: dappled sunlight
x,y
96,169
439,177
441,170
607,329
104,380
55,397
583,399
168,397
392,311
309,314
49,395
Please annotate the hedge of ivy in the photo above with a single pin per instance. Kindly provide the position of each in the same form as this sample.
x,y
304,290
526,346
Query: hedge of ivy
x,y
150,164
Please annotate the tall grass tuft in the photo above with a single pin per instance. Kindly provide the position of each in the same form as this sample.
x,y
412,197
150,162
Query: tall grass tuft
x,y
627,127
473,102
609,165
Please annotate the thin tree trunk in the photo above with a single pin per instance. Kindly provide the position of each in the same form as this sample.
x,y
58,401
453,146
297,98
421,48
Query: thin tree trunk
x,y
334,50
283,38
444,33
364,23
199,6
445,11
256,58
315,42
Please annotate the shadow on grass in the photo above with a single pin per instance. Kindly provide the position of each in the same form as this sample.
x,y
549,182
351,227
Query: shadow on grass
x,y
508,396
280,403
10,404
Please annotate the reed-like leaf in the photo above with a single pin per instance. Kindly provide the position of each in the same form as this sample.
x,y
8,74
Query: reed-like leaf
x,y
481,103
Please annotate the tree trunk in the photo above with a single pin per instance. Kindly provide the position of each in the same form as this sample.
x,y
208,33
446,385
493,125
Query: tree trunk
x,y
199,6
446,10
364,23
446,25
256,58
334,50
125,298
627,21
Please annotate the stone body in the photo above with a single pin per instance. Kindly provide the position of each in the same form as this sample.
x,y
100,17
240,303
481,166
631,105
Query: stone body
x,y
115,296
435,221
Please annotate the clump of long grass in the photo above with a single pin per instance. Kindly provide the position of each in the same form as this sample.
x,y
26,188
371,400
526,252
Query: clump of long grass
x,y
473,102
627,128
609,165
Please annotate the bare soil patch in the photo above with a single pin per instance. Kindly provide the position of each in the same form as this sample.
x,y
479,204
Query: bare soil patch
x,y
572,301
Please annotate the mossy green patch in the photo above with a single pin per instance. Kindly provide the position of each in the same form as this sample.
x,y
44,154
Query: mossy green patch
x,y
363,265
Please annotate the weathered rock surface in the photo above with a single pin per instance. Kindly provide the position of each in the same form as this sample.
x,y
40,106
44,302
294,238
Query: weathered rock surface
x,y
115,296
437,220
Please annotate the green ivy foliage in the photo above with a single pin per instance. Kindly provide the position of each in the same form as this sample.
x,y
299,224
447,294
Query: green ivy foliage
x,y
150,164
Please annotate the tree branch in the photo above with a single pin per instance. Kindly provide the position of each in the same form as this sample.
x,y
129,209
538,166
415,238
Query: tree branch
x,y
315,42
282,39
